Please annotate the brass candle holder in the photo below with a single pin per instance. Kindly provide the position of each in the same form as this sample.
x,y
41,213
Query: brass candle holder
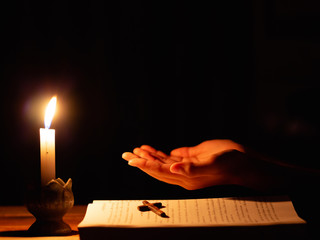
x,y
49,204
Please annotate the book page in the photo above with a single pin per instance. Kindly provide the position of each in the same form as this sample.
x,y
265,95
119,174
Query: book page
x,y
193,213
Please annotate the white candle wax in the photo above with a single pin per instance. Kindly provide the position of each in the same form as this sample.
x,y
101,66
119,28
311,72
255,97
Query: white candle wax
x,y
47,145
47,154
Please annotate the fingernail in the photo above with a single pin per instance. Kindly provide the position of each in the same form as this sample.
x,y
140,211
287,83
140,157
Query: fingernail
x,y
131,163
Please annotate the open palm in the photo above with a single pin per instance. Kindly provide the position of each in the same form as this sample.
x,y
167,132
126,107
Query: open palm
x,y
210,163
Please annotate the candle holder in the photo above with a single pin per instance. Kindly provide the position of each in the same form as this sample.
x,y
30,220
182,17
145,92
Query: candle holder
x,y
49,204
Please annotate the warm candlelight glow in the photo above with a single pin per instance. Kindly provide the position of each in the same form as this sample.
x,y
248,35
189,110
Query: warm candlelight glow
x,y
50,110
47,145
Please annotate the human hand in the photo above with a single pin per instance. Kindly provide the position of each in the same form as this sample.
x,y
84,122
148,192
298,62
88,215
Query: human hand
x,y
213,162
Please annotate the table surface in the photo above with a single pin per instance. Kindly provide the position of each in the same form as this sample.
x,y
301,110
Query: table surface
x,y
15,221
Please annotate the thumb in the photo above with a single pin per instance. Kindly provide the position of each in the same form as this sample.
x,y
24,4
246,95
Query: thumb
x,y
190,169
178,168
186,169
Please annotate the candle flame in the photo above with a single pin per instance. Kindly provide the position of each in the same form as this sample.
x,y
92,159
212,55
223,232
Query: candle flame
x,y
50,110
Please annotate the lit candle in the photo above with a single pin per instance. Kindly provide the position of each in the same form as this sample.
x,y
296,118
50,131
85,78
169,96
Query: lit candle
x,y
47,145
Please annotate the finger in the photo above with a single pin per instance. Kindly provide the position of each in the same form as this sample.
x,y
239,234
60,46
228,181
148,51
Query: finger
x,y
158,170
175,158
161,172
148,148
161,154
143,154
152,156
150,165
160,158
128,156
137,162
154,151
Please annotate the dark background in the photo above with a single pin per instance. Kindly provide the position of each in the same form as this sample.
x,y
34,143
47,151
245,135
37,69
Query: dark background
x,y
167,74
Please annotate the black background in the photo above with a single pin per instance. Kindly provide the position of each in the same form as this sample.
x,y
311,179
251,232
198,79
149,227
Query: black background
x,y
167,74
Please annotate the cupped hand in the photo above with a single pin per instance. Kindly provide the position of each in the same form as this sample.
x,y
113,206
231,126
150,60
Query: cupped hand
x,y
213,162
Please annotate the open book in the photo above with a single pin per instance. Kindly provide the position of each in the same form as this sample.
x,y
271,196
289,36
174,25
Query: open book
x,y
116,217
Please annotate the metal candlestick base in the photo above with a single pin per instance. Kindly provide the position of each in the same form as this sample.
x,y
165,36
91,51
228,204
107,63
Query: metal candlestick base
x,y
49,205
